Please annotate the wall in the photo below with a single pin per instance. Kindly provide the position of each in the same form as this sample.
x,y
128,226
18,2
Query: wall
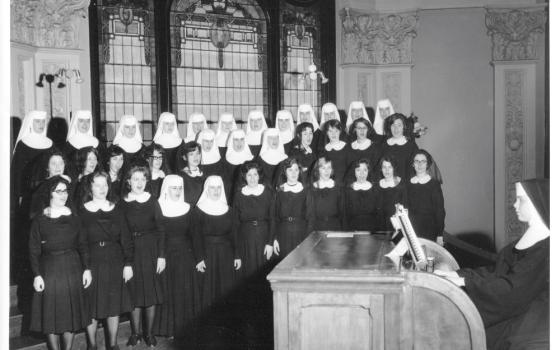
x,y
452,93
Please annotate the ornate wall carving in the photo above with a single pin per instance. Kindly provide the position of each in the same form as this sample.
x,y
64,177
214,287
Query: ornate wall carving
x,y
377,38
47,23
514,145
515,32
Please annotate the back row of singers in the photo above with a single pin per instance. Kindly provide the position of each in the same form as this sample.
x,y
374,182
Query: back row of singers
x,y
305,143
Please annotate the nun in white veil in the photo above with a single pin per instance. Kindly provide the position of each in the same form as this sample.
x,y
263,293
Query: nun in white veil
x,y
285,125
237,153
226,124
182,297
383,109
329,111
31,143
305,113
272,153
167,136
356,110
129,138
217,252
211,161
256,125
197,123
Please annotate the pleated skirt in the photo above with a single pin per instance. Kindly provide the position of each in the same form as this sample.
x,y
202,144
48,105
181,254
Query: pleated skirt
x,y
107,295
62,306
146,286
176,316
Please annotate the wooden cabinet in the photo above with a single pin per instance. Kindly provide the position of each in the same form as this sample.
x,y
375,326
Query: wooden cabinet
x,y
339,291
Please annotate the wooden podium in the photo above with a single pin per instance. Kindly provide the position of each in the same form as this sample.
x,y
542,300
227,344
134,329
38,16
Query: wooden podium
x,y
338,291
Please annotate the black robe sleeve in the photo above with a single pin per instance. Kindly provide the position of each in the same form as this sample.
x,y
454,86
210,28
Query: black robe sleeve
x,y
127,244
83,247
197,235
439,208
160,230
35,247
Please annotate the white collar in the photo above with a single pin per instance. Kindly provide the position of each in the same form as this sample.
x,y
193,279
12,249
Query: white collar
x,y
383,183
93,206
129,145
140,198
80,140
37,141
256,191
320,184
173,209
296,188
192,173
396,141
420,179
168,140
58,212
337,146
356,186
158,174
361,146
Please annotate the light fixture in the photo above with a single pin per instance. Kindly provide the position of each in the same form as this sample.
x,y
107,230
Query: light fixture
x,y
313,74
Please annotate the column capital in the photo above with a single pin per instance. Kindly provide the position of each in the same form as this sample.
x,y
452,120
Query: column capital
x,y
377,38
47,23
514,32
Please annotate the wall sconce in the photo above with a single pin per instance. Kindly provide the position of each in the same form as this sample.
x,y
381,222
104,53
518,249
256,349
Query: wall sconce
x,y
61,75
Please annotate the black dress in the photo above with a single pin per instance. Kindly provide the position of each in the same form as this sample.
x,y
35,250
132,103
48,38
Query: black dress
x,y
148,234
155,186
176,315
386,200
220,169
425,208
361,209
340,162
328,209
218,249
192,187
110,250
372,153
307,160
270,174
252,219
291,214
513,297
170,158
23,164
402,155
58,252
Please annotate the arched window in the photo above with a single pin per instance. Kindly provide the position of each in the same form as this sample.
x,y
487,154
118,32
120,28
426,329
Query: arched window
x,y
127,65
218,58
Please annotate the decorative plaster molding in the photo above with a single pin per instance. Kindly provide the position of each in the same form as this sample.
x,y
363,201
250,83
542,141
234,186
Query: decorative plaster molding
x,y
515,32
515,80
47,23
377,38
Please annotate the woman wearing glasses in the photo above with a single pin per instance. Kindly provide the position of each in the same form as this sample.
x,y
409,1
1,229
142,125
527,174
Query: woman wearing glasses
x,y
155,156
425,198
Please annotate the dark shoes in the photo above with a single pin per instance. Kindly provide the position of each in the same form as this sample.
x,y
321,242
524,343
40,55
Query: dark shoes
x,y
116,347
150,340
134,340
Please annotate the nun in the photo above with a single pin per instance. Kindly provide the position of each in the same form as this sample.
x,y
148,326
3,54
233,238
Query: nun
x,y
238,152
128,137
212,162
167,136
80,135
216,247
226,124
31,143
285,125
272,153
356,110
513,295
175,317
256,125
306,114
197,123
383,109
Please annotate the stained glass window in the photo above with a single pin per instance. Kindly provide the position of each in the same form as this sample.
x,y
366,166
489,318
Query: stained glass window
x,y
218,58
127,69
299,49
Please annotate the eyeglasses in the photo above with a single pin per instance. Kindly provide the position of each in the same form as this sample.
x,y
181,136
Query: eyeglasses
x,y
423,161
59,192
361,128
